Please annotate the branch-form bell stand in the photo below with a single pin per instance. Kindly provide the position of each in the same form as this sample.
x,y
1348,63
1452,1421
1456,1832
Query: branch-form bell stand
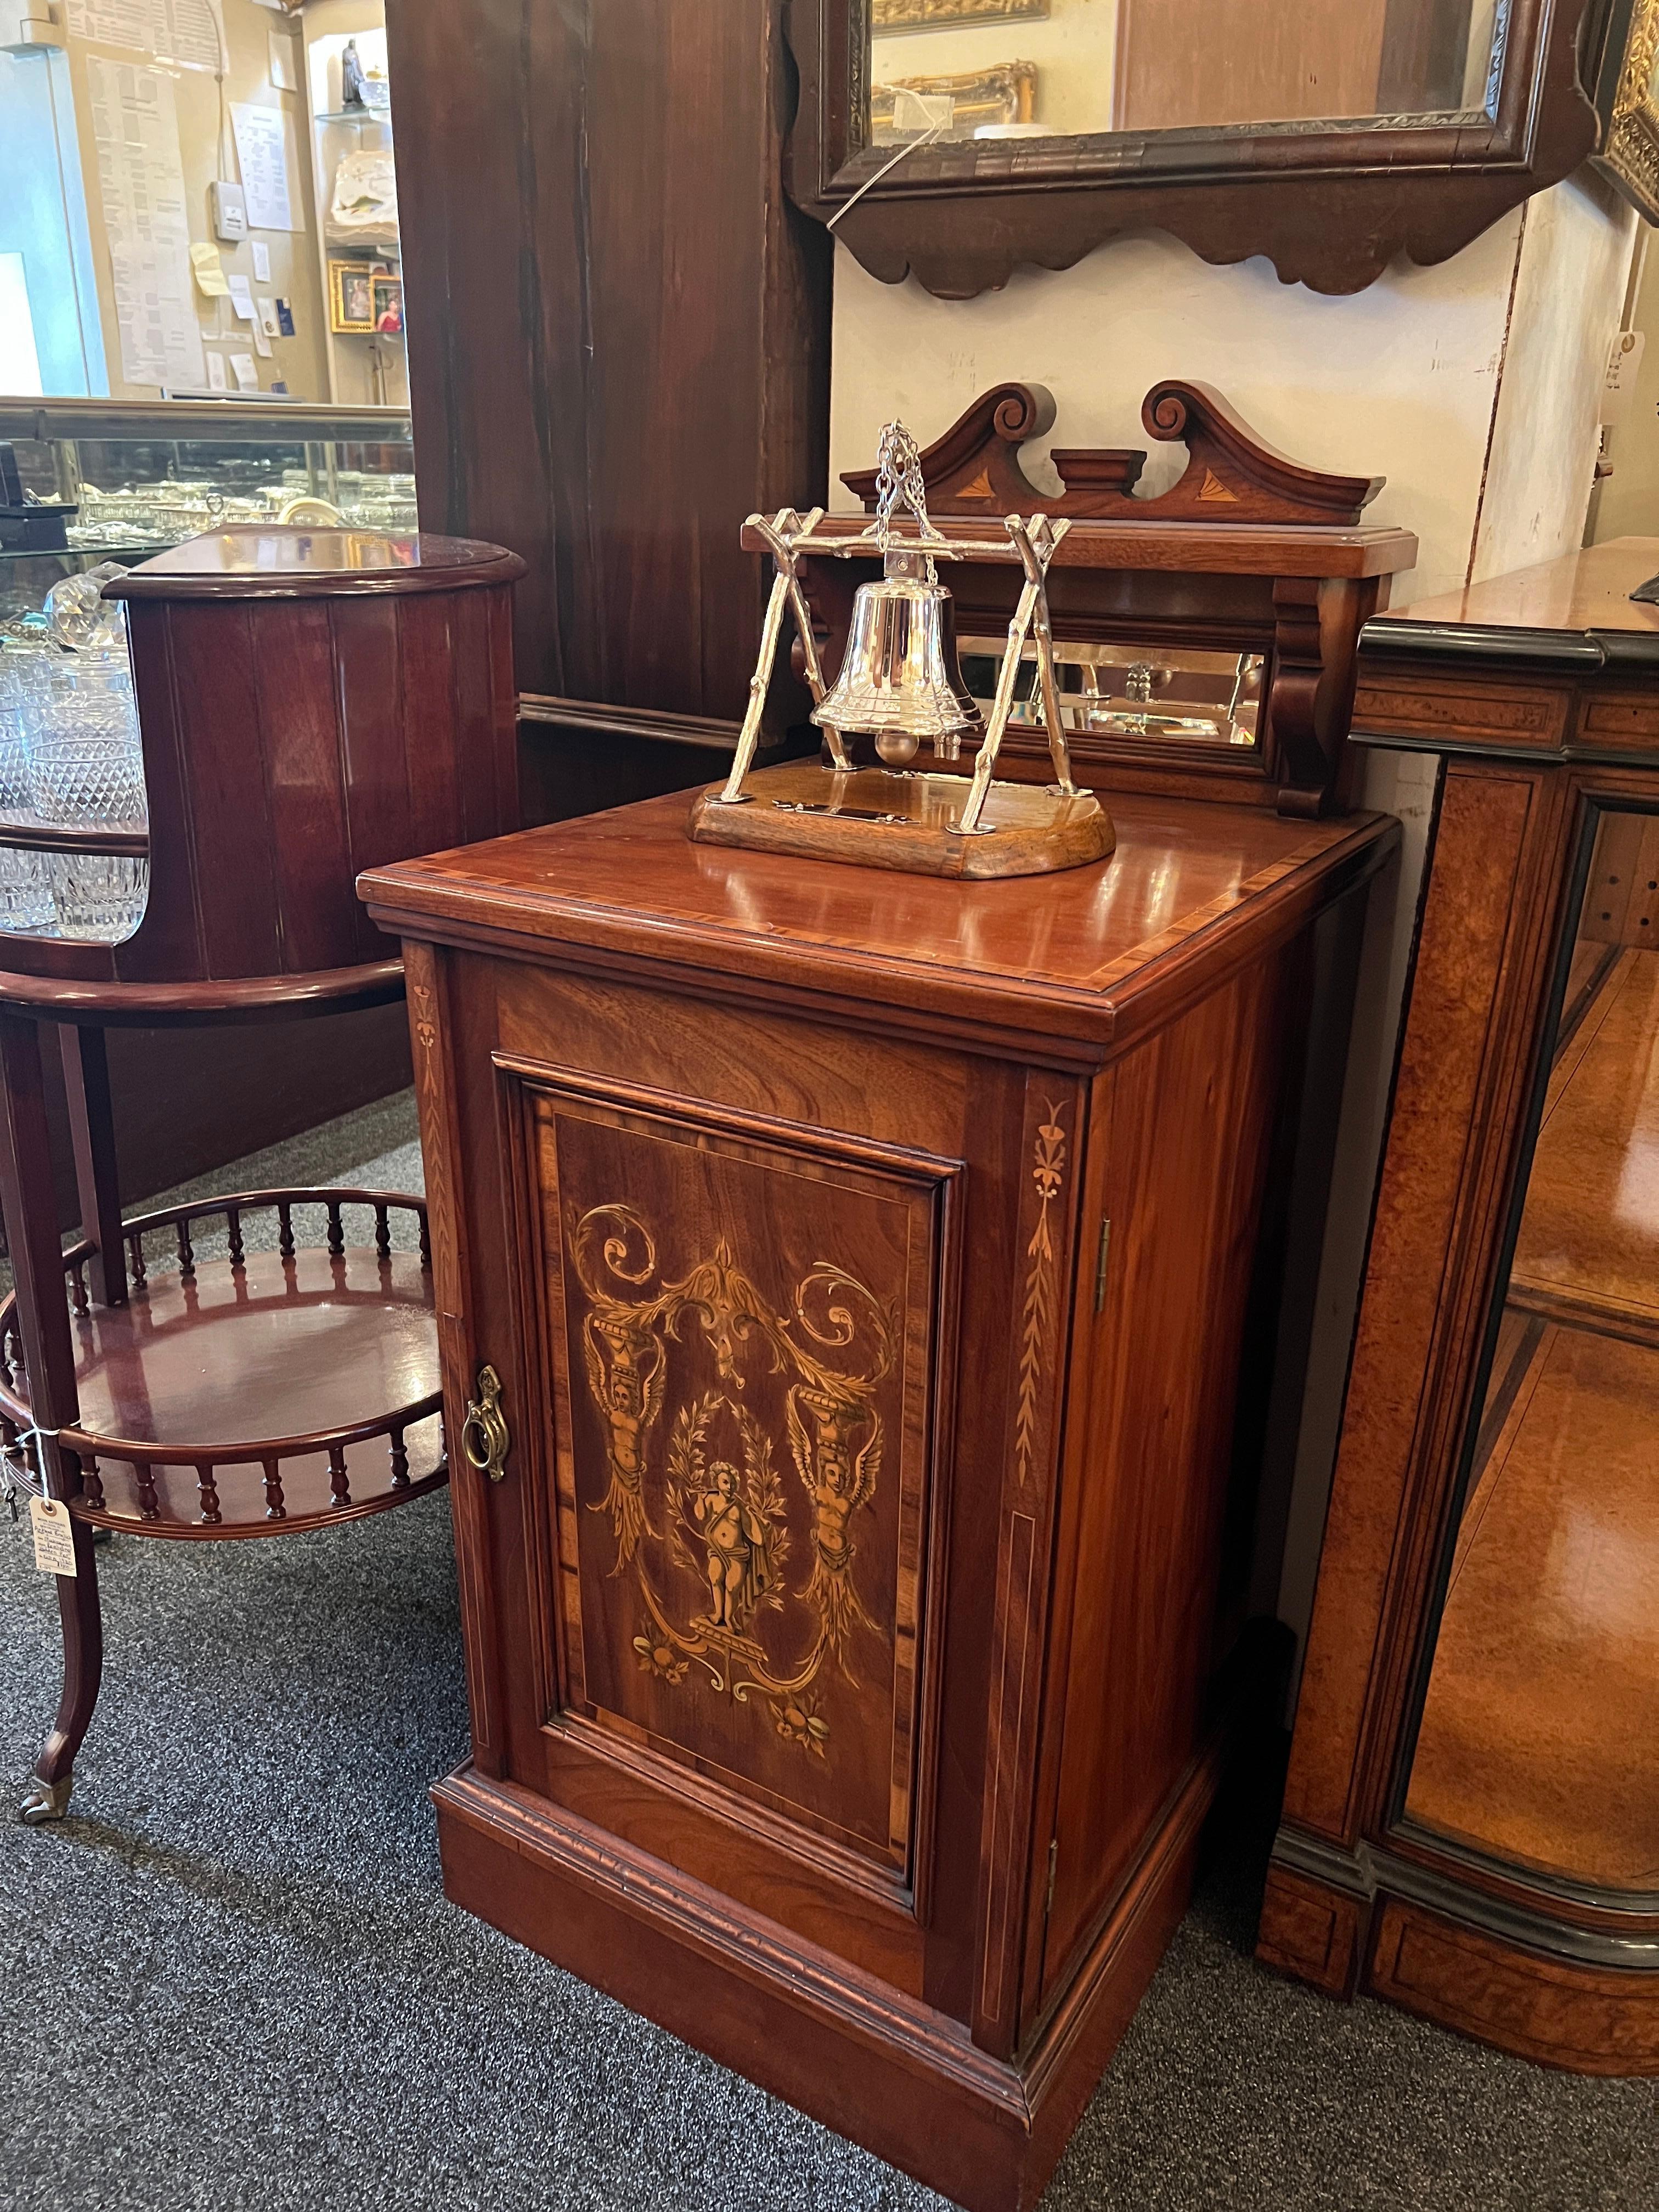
x,y
924,823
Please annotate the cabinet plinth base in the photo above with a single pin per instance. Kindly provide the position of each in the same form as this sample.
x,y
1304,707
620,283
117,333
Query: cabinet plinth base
x,y
1519,1991
886,2071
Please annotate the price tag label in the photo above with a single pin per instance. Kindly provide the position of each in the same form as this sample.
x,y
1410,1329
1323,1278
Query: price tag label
x,y
54,1538
1623,364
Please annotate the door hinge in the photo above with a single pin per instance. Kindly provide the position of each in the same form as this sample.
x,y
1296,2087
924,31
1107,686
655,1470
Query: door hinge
x,y
1100,1265
1054,1863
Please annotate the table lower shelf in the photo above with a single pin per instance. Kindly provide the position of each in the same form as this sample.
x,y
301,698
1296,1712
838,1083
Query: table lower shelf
x,y
260,1394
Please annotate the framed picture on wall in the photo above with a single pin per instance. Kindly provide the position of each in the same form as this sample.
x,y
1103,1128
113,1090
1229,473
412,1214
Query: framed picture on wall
x,y
1627,102
389,305
351,297
943,15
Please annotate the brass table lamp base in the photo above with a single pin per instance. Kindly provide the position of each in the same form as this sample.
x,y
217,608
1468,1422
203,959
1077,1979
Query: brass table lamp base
x,y
883,818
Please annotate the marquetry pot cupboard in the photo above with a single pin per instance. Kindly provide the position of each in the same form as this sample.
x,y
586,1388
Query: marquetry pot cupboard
x,y
1469,1828
861,1297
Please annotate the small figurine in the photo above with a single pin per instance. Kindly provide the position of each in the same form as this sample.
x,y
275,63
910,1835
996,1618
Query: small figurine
x,y
351,77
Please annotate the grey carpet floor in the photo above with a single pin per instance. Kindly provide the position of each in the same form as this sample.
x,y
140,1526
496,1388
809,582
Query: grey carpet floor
x,y
231,1979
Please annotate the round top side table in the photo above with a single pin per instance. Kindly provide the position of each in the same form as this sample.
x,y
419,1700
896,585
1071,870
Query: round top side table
x,y
310,702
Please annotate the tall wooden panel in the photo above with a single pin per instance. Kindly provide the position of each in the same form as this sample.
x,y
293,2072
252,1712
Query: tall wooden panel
x,y
618,345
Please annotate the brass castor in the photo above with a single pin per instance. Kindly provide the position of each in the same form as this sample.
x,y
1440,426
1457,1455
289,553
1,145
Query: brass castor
x,y
45,1801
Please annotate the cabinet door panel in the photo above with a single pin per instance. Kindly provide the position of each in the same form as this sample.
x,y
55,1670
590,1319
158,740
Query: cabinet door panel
x,y
741,1334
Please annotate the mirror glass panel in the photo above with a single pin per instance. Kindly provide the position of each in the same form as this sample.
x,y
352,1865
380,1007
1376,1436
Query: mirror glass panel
x,y
1539,1740
1018,68
1144,692
200,322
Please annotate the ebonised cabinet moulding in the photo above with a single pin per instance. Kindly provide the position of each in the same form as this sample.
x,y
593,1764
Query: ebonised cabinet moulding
x,y
1471,1824
864,1297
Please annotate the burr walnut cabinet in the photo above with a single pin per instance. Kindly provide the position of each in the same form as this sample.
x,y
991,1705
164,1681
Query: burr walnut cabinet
x,y
859,1305
1472,1820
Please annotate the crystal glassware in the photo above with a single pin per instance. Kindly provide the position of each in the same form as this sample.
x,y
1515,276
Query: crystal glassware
x,y
26,905
87,769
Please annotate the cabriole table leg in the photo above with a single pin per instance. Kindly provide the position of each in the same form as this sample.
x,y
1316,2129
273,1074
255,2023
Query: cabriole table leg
x,y
47,1796
28,1203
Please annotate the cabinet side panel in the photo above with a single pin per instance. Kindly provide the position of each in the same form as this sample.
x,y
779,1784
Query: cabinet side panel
x,y
427,981
1186,1125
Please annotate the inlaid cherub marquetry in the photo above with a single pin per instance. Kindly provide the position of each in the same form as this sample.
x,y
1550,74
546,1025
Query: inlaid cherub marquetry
x,y
739,1573
724,1512
625,1374
733,1517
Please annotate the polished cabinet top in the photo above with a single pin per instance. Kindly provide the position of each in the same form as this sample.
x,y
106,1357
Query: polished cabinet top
x,y
1582,596
291,560
1079,945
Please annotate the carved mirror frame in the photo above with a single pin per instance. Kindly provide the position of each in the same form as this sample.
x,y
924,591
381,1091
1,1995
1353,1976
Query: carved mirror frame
x,y
1329,204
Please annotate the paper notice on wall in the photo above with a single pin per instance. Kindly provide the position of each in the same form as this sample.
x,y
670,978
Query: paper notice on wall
x,y
241,298
182,32
247,375
135,129
114,23
215,369
261,261
268,322
209,270
261,342
1624,366
262,135
187,33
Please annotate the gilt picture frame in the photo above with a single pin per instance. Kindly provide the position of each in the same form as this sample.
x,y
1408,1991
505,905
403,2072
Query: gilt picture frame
x,y
888,15
351,298
1005,94
1627,102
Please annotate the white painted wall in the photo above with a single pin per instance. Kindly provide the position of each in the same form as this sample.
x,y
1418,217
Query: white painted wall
x,y
1473,386
1569,299
1628,506
1399,380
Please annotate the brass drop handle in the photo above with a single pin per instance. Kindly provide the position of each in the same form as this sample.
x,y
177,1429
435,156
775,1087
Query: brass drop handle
x,y
485,1439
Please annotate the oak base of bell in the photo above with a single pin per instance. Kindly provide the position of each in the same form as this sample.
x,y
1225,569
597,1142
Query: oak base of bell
x,y
880,818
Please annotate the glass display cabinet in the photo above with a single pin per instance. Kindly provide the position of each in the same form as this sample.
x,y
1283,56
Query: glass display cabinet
x,y
1471,1822
1557,1490
83,481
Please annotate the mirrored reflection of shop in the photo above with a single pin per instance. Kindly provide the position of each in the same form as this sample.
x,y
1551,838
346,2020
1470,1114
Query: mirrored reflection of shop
x,y
1539,1740
201,326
